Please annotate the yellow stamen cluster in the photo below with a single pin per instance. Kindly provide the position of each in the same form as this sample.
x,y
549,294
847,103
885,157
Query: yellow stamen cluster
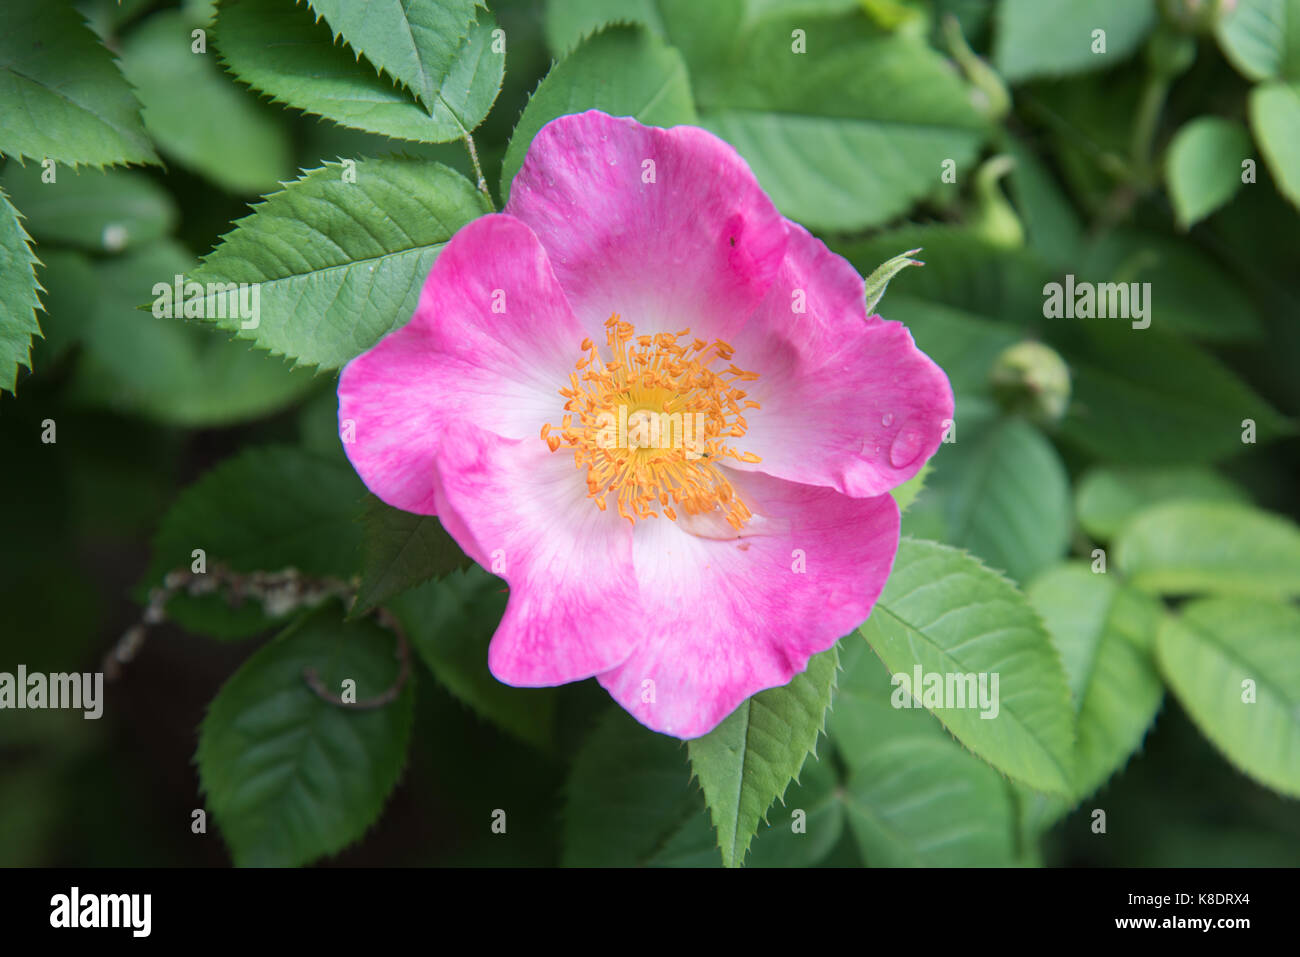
x,y
656,377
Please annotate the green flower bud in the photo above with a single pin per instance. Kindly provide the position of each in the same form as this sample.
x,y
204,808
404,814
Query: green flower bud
x,y
1029,378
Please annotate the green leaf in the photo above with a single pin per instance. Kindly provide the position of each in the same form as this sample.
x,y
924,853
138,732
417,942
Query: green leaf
x,y
946,613
878,281
1190,293
685,24
1261,38
450,622
623,71
64,97
415,42
748,760
1049,38
401,550
96,210
1003,494
199,116
1219,548
845,135
1105,633
18,289
914,796
274,47
964,344
964,272
267,509
810,824
630,802
906,493
71,295
161,368
1203,167
1275,118
1108,497
1051,222
1144,397
848,134
568,23
629,792
1235,666
289,777
340,263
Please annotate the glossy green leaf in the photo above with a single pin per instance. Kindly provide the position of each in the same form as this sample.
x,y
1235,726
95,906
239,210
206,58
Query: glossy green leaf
x,y
290,777
623,71
1235,666
749,760
340,263
946,613
65,98
1217,548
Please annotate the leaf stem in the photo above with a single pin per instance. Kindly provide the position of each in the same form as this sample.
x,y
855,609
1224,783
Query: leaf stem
x,y
1154,92
478,169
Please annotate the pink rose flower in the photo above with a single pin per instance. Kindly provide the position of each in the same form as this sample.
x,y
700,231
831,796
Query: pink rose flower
x,y
659,411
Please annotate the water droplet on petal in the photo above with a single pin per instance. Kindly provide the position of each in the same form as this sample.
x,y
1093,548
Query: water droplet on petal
x,y
906,447
887,419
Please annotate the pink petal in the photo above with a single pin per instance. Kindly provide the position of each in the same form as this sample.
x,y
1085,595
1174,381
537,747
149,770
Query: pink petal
x,y
724,618
522,512
848,401
461,359
697,247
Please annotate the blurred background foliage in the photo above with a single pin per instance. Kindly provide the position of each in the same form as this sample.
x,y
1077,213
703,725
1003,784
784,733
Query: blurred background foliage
x,y
1124,165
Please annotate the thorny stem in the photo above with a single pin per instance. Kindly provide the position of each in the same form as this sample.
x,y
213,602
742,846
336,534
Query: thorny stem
x,y
279,592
